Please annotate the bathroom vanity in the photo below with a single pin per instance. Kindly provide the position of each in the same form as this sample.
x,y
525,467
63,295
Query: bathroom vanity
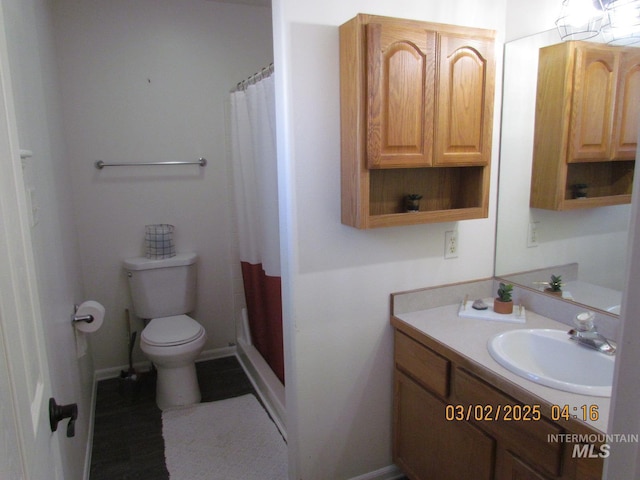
x,y
458,414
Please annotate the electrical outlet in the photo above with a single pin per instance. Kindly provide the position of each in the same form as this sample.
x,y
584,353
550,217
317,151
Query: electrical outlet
x,y
451,244
532,234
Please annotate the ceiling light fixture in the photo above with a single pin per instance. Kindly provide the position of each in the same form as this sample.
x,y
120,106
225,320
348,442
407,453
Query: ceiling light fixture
x,y
617,21
580,19
621,22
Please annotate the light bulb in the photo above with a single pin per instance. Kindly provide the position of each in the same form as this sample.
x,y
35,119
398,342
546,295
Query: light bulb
x,y
623,15
581,12
579,19
622,22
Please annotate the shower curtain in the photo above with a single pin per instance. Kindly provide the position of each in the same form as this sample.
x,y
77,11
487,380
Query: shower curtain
x,y
253,151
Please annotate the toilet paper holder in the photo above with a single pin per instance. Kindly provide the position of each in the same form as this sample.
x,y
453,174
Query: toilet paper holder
x,y
80,318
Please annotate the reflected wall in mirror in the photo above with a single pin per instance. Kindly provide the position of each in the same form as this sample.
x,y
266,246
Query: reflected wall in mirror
x,y
588,248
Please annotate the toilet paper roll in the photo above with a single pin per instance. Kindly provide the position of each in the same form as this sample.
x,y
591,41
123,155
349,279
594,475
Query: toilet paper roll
x,y
93,308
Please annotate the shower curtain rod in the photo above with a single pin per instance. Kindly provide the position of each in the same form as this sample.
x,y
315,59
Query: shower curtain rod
x,y
253,79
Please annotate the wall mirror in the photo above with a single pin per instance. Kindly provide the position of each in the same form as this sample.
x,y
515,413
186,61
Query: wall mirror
x,y
588,247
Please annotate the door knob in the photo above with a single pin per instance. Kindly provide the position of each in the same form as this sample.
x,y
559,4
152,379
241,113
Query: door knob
x,y
58,413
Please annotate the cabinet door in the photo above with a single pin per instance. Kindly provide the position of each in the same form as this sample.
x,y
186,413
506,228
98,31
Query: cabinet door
x,y
627,107
400,88
465,101
510,467
424,441
589,468
592,104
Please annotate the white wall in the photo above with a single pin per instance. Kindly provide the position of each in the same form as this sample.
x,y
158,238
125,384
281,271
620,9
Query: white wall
x,y
148,81
526,18
337,280
36,91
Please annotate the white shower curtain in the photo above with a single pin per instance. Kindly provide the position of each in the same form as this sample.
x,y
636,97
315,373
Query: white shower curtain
x,y
253,150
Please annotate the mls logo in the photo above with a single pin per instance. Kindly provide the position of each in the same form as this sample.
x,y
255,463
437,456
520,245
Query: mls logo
x,y
589,450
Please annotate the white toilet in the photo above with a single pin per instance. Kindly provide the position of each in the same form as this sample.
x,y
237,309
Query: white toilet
x,y
163,291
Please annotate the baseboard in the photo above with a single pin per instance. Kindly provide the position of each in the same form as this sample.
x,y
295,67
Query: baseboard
x,y
387,473
265,382
114,372
217,353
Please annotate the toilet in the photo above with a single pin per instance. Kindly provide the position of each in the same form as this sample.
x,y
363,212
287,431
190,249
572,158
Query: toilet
x,y
163,292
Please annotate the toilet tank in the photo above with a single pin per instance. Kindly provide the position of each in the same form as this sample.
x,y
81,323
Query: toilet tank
x,y
163,287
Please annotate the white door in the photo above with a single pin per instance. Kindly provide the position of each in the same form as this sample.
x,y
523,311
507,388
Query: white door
x,y
24,376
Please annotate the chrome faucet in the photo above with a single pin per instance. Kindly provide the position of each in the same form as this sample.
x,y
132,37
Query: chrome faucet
x,y
586,334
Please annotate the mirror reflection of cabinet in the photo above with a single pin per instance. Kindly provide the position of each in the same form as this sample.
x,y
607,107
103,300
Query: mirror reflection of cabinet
x,y
416,118
587,109
593,239
606,96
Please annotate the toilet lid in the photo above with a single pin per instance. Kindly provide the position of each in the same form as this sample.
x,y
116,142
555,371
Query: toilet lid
x,y
168,331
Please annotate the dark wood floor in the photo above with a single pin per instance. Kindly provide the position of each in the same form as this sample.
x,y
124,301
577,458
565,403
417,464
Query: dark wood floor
x,y
127,438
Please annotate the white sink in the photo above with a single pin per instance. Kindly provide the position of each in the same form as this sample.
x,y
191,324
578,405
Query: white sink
x,y
550,358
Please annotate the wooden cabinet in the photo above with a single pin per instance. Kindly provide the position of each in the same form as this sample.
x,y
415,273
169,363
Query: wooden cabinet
x,y
627,107
423,433
510,467
465,100
416,117
425,437
528,439
447,422
400,90
587,112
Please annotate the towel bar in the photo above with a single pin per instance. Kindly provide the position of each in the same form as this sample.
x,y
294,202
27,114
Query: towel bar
x,y
100,164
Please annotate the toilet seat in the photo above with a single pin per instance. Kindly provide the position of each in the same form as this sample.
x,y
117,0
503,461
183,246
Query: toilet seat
x,y
172,331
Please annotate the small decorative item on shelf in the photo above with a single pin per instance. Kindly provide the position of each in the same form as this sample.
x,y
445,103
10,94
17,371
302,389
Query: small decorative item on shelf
x,y
412,202
555,285
579,190
504,303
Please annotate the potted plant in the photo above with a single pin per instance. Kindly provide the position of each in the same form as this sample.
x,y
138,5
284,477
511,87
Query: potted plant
x,y
504,303
555,285
412,202
579,190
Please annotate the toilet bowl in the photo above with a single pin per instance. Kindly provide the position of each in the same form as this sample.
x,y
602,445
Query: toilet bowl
x,y
173,344
163,292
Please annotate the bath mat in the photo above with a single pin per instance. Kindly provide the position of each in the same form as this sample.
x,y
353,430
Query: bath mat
x,y
223,440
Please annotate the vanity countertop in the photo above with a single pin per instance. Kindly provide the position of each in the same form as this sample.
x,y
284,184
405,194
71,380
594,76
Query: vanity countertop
x,y
468,337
